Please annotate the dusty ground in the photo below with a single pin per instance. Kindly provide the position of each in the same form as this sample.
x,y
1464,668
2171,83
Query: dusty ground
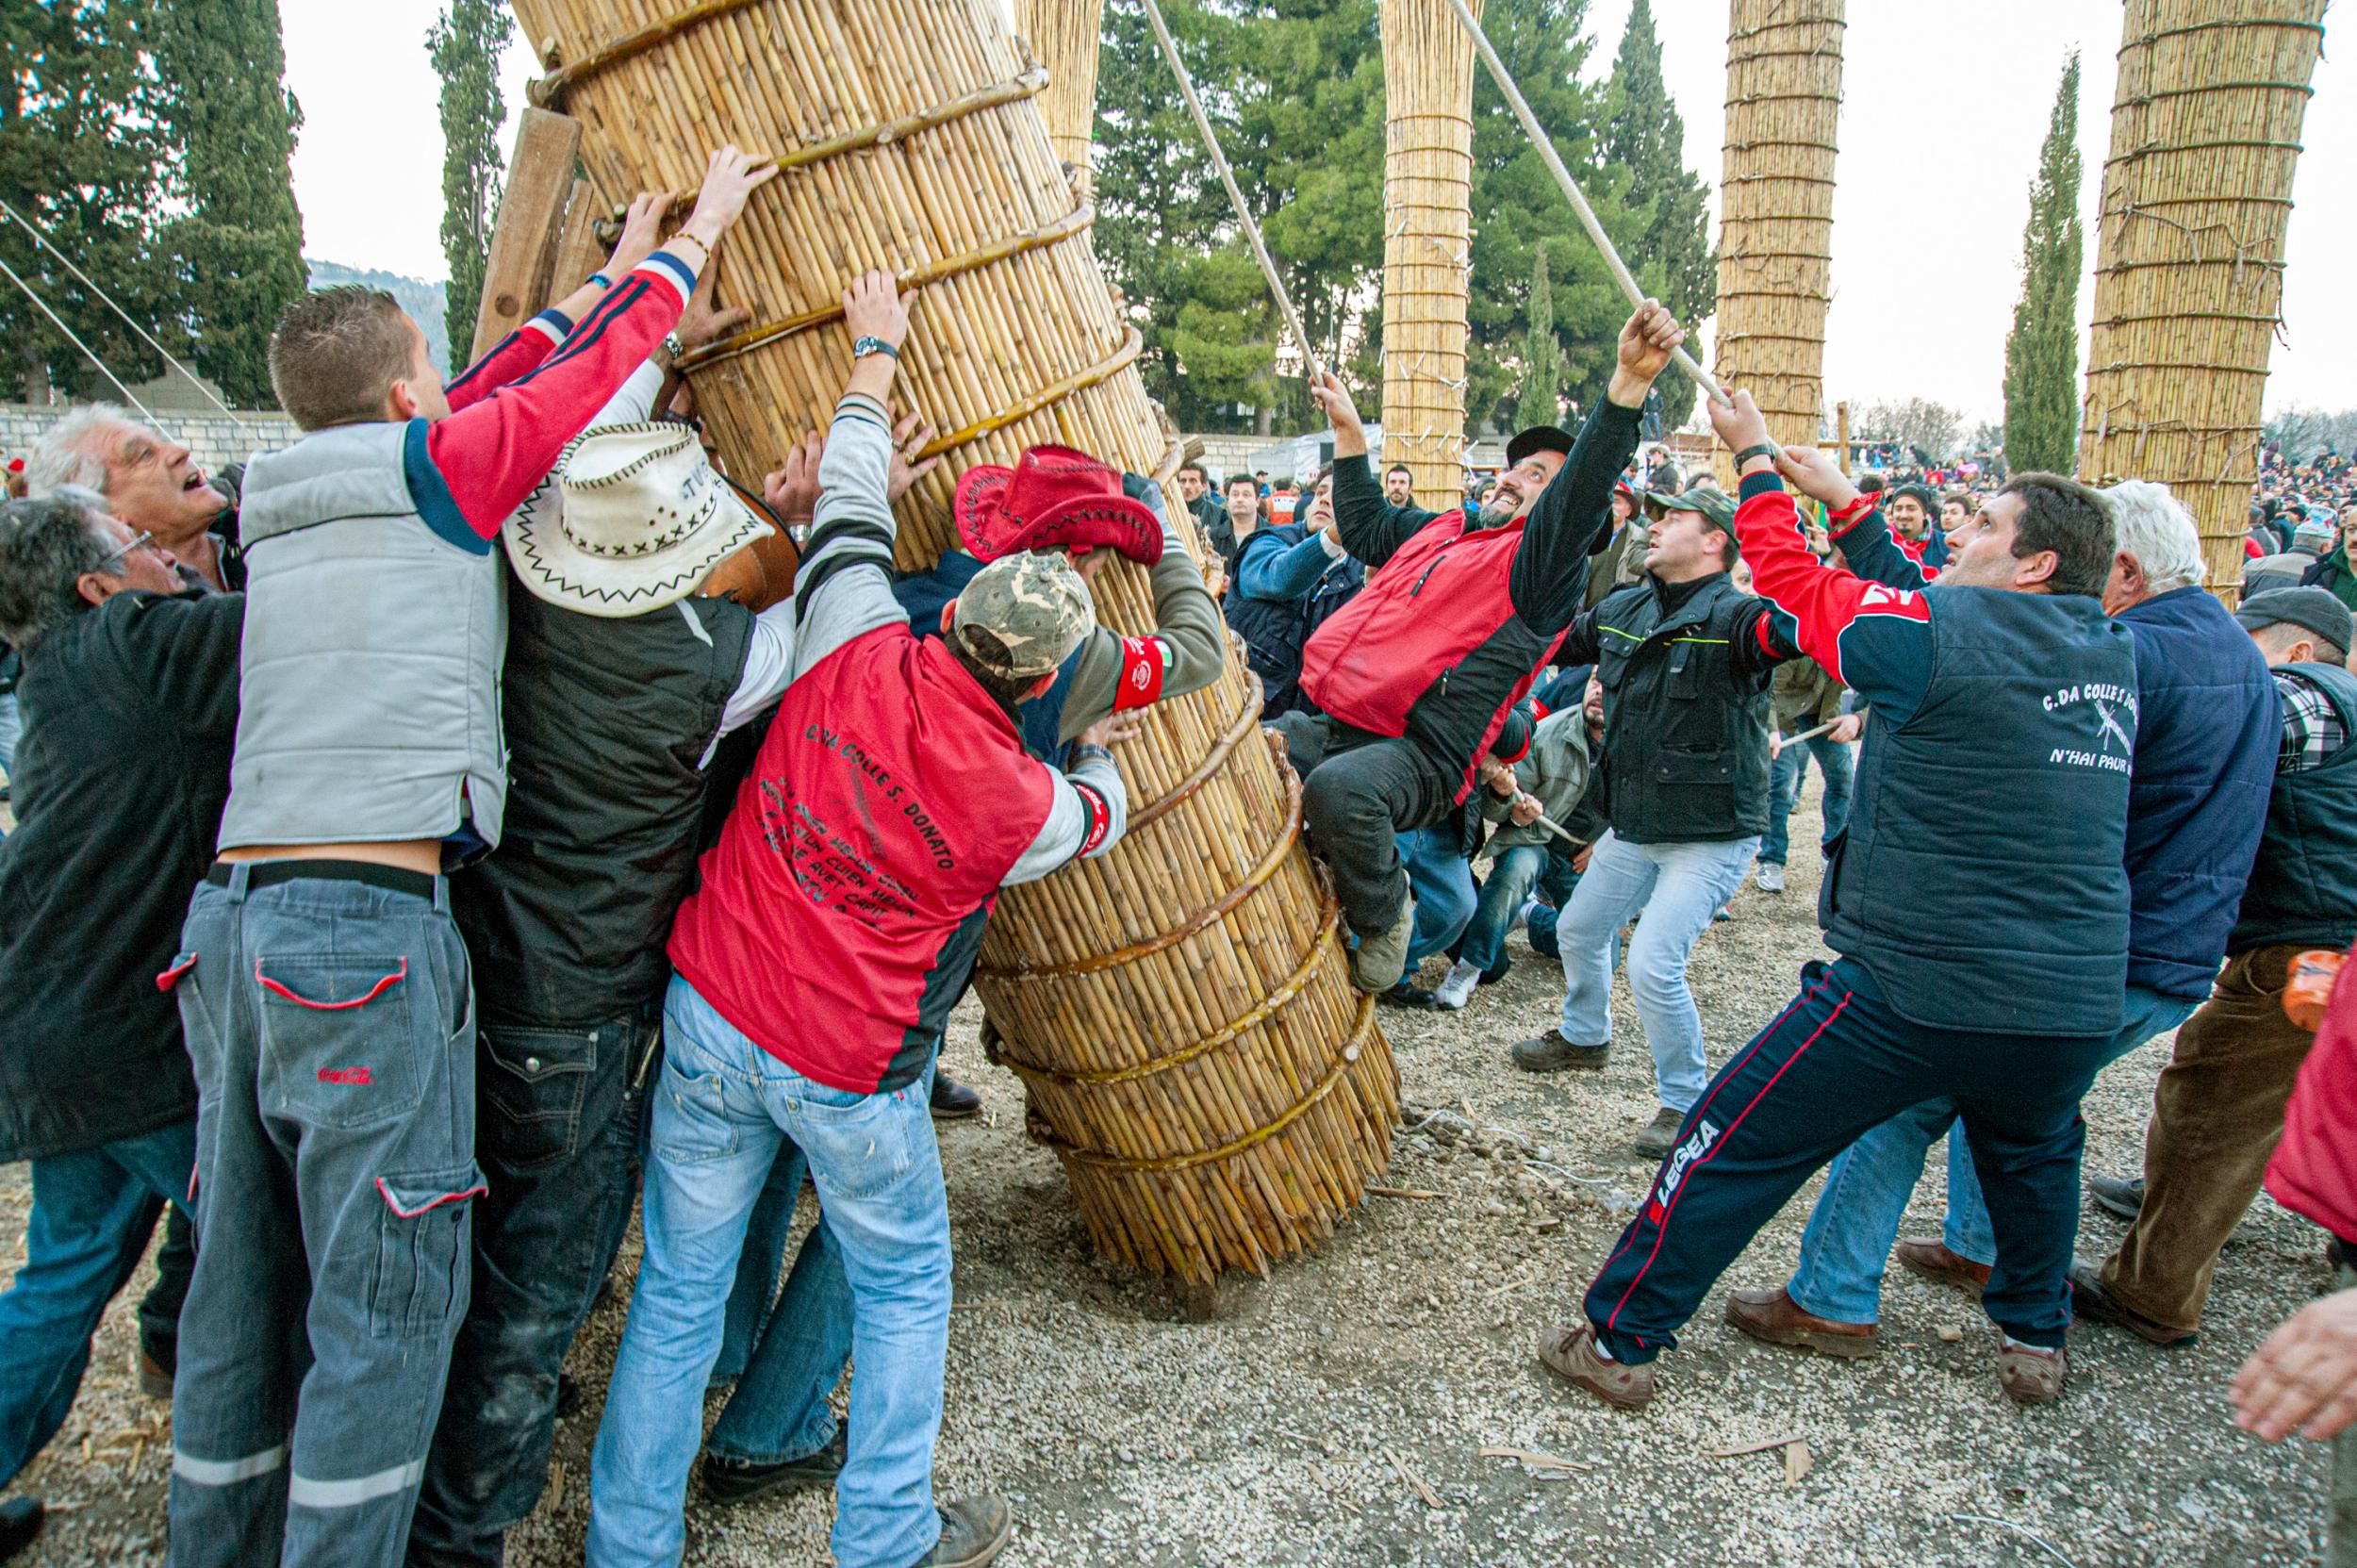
x,y
1307,1427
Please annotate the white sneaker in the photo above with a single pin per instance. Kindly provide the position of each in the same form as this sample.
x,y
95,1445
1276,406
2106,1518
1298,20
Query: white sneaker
x,y
1457,988
1522,914
1771,877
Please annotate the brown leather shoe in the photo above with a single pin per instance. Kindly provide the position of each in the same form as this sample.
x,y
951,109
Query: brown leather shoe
x,y
154,1381
1930,1256
1571,1355
2031,1375
2091,1301
1774,1318
1550,1052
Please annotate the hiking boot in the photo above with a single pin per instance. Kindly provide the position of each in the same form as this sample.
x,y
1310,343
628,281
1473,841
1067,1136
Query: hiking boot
x,y
731,1481
1457,988
2119,1195
1551,1054
1771,877
2031,1375
20,1522
1774,1317
1378,960
2091,1301
1571,1355
973,1530
1931,1258
953,1101
1406,994
1660,1135
154,1377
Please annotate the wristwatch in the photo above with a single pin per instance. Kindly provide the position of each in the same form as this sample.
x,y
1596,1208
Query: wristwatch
x,y
1765,449
672,346
866,346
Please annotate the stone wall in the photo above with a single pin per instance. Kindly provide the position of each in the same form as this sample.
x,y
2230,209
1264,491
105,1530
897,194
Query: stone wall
x,y
215,439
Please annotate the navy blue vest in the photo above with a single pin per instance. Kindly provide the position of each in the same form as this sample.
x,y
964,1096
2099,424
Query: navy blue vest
x,y
2303,889
925,594
1275,629
1982,881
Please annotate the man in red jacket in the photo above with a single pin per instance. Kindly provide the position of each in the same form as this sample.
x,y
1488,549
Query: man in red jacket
x,y
838,919
1413,679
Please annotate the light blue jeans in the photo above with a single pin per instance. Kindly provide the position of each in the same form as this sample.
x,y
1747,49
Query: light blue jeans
x,y
1857,1217
1679,887
724,1109
1440,878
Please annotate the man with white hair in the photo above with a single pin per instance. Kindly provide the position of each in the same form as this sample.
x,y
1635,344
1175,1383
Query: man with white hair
x,y
2203,764
150,482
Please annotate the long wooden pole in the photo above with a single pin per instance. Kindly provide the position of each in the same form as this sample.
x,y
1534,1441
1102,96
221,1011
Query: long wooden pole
x,y
1235,197
1539,140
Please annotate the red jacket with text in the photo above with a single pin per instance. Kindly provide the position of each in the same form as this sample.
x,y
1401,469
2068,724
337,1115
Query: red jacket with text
x,y
841,911
2315,1168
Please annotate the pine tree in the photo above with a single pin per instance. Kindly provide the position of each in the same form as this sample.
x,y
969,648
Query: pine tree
x,y
2042,351
238,250
1544,367
80,151
1644,134
465,44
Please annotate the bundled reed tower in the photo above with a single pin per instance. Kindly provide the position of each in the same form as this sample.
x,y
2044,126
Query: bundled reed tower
x,y
1062,36
2189,259
1427,242
1775,208
1179,1009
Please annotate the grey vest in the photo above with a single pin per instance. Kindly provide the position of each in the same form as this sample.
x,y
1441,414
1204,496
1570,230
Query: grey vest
x,y
375,629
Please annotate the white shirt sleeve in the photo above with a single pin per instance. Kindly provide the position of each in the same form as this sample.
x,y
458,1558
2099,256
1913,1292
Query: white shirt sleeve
x,y
768,664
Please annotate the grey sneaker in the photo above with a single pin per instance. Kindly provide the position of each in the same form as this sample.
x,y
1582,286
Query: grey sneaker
x,y
973,1530
1660,1133
2031,1375
1550,1052
1378,961
2121,1195
1771,877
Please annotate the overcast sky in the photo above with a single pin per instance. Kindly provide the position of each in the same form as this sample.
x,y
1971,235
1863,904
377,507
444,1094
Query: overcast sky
x,y
1945,105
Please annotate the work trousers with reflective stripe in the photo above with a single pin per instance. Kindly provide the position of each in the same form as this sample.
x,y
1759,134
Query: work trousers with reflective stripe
x,y
330,1026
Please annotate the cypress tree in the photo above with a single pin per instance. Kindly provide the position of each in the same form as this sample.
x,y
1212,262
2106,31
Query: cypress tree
x,y
465,44
1644,134
2042,351
1543,365
239,248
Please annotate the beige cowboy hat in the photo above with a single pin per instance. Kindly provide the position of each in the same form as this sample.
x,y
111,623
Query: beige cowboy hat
x,y
631,519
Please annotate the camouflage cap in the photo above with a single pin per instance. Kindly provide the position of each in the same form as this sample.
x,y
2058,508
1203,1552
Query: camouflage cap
x,y
1708,499
1028,611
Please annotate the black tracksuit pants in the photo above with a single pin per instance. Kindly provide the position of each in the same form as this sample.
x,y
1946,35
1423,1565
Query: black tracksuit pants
x,y
1360,792
1835,1063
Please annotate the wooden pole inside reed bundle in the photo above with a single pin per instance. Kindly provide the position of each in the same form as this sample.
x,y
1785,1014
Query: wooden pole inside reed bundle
x,y
1062,35
2190,257
1775,204
1180,1008
1427,242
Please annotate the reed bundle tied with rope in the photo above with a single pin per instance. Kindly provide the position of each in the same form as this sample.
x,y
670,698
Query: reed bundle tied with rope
x,y
1180,1009
1775,200
1062,35
1427,242
2189,257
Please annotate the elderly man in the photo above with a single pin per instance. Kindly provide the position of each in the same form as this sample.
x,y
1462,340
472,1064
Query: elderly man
x,y
130,701
150,482
2204,758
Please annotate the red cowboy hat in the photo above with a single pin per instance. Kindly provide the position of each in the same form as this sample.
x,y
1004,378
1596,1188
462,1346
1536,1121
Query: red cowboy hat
x,y
1053,496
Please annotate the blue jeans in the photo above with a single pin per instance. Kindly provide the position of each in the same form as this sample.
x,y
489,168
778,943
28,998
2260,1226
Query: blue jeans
x,y
1512,877
1556,885
779,1409
1835,764
754,1294
1857,1217
1440,878
92,1213
1679,887
724,1108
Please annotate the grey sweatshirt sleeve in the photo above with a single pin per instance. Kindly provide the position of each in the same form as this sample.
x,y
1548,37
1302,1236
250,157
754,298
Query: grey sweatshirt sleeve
x,y
1089,815
844,590
1193,635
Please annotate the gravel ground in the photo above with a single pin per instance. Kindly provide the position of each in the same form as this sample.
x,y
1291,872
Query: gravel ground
x,y
1335,1413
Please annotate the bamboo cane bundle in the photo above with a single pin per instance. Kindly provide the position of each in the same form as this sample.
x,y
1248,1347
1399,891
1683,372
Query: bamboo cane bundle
x,y
1427,242
1062,36
1776,201
2189,260
911,139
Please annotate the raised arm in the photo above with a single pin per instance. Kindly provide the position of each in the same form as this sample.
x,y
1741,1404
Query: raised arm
x,y
1184,653
1856,521
1371,528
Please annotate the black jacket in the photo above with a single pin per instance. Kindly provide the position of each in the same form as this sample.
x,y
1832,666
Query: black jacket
x,y
130,710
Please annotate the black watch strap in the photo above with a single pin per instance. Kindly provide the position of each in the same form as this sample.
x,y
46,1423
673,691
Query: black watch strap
x,y
1765,449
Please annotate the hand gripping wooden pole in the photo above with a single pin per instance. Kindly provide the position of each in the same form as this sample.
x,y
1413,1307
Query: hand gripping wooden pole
x,y
1235,197
1570,188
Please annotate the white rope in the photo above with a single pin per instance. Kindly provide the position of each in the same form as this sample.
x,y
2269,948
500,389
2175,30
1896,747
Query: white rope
x,y
129,396
134,325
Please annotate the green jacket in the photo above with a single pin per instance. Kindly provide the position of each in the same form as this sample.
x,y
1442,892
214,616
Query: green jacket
x,y
1801,696
2333,572
1555,769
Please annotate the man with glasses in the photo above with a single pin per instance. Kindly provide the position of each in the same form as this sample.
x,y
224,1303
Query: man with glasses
x,y
130,703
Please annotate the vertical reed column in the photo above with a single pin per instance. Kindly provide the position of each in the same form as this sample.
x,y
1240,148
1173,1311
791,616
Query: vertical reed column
x,y
1775,207
1427,242
2189,257
1062,35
